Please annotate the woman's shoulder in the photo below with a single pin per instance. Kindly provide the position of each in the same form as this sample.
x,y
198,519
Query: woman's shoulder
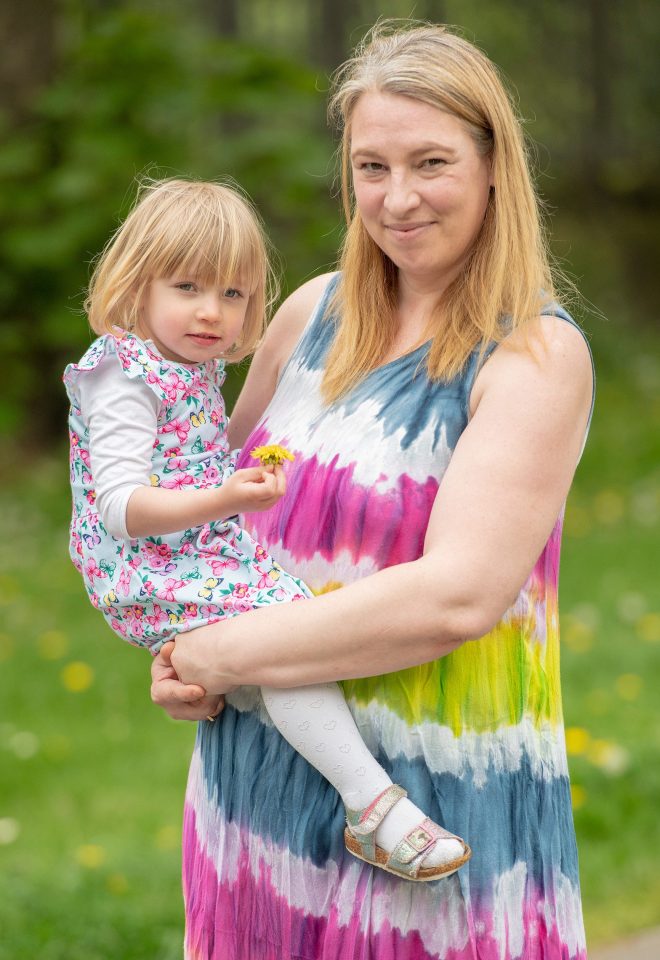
x,y
550,354
289,322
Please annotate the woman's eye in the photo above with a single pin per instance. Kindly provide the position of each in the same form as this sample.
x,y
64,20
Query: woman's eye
x,y
372,167
432,163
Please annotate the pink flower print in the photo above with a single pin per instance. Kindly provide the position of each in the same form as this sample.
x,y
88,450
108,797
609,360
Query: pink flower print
x,y
138,628
153,378
190,611
134,562
124,581
90,497
178,426
86,476
148,588
223,563
84,456
172,452
240,590
211,475
259,553
178,463
265,581
207,610
173,385
236,606
157,617
119,627
157,555
93,570
216,417
186,549
168,590
178,481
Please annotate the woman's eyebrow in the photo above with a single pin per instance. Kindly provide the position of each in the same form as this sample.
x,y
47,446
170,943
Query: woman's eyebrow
x,y
430,146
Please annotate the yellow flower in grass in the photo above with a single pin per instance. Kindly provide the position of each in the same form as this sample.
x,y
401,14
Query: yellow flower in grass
x,y
578,796
577,741
271,455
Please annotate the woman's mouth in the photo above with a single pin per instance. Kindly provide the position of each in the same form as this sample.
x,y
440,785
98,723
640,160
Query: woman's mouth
x,y
407,231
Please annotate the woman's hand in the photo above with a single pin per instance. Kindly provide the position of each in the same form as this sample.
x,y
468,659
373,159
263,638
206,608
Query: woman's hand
x,y
180,700
194,650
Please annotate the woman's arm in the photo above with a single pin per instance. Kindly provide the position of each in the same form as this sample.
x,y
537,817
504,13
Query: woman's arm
x,y
494,511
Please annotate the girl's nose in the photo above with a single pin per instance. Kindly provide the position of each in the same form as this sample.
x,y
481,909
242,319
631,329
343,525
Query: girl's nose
x,y
209,308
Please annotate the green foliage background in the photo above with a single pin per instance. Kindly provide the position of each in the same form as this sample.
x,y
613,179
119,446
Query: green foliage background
x,y
98,93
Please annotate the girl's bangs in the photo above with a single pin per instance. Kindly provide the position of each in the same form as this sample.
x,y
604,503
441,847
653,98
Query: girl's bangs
x,y
213,248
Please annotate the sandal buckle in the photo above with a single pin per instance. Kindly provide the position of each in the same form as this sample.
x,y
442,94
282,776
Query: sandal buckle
x,y
420,839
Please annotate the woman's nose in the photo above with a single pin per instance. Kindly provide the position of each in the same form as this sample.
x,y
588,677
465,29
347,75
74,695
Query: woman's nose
x,y
401,196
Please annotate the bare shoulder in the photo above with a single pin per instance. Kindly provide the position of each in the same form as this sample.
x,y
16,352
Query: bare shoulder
x,y
289,322
550,356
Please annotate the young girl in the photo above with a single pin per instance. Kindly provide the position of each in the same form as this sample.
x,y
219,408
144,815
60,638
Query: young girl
x,y
181,288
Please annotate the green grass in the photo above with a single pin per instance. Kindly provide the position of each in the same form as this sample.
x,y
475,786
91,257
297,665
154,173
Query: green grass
x,y
93,776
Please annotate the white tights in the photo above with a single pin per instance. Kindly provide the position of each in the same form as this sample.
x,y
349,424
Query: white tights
x,y
318,724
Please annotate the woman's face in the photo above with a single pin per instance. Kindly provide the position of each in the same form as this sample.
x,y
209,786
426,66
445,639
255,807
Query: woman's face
x,y
421,185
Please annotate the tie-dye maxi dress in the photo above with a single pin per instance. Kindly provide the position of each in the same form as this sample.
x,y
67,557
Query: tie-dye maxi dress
x,y
476,737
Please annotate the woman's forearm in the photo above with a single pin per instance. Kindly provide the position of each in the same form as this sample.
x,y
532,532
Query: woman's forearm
x,y
395,619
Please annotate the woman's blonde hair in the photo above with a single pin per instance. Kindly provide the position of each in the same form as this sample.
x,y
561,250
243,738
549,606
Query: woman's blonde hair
x,y
205,229
507,276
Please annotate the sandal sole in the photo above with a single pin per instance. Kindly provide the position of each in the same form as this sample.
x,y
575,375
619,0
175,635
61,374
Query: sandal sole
x,y
424,875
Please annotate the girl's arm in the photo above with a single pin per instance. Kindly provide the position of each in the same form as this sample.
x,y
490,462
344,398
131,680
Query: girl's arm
x,y
122,418
152,511
495,509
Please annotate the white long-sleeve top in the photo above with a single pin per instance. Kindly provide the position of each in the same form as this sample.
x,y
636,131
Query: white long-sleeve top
x,y
121,415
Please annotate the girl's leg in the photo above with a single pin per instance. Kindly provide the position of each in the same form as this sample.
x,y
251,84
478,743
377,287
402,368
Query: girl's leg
x,y
318,724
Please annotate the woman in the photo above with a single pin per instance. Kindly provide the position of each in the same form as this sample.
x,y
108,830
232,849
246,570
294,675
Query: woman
x,y
437,401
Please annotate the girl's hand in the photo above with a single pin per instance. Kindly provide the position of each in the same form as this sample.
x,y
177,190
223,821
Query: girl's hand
x,y
254,489
180,700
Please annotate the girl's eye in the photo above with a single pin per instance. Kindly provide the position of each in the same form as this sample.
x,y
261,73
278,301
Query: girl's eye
x,y
231,293
187,286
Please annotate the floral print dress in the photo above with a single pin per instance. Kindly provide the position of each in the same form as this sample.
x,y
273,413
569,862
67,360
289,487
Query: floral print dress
x,y
151,588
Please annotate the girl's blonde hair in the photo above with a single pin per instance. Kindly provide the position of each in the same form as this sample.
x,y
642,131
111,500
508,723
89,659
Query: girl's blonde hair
x,y
507,276
204,229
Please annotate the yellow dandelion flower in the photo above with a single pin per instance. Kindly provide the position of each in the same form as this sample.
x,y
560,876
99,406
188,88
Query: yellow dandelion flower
x,y
610,757
629,686
648,627
577,740
117,884
6,646
90,855
168,838
271,455
578,796
77,676
329,587
53,644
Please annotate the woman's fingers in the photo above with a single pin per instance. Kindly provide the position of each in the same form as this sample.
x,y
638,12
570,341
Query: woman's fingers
x,y
182,701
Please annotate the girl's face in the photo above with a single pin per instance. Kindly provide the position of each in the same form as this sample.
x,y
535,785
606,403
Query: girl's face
x,y
191,320
421,185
